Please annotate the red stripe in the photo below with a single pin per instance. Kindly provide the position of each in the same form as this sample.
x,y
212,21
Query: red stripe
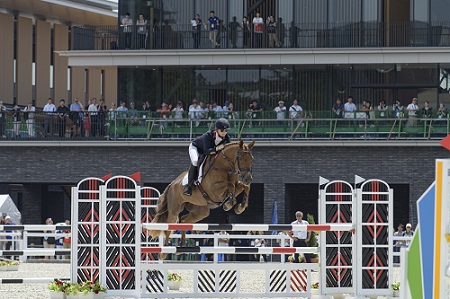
x,y
151,249
284,250
319,227
181,226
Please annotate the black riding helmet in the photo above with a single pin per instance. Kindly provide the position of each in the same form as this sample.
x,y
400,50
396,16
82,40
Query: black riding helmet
x,y
222,124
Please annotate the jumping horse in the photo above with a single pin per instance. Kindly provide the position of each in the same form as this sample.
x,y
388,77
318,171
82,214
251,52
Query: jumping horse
x,y
225,175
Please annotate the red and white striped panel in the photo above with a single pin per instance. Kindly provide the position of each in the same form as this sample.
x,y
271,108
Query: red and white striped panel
x,y
299,281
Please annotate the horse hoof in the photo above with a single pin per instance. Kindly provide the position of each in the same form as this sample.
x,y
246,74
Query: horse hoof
x,y
162,256
238,210
227,206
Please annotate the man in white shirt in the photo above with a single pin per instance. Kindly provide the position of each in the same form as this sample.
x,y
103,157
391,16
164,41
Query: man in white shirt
x,y
412,113
301,238
49,113
349,108
295,110
281,112
93,117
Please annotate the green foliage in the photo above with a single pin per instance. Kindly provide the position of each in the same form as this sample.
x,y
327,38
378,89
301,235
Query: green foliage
x,y
57,286
396,286
312,240
174,277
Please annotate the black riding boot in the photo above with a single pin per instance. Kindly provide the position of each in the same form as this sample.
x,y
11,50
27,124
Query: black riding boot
x,y
192,175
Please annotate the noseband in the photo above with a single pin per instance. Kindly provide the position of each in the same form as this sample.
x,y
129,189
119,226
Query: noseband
x,y
241,171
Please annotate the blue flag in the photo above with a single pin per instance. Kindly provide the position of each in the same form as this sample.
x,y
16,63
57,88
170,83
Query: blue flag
x,y
275,214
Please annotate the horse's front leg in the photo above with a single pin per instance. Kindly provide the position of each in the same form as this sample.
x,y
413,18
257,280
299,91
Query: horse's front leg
x,y
183,238
230,201
244,203
166,243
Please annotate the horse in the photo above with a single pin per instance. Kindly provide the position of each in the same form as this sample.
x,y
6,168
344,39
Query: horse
x,y
225,175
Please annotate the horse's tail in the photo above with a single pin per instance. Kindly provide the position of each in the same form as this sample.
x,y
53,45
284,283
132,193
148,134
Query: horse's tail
x,y
161,212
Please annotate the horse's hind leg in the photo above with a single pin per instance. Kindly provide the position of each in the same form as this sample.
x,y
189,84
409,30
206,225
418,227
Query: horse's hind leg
x,y
166,243
244,203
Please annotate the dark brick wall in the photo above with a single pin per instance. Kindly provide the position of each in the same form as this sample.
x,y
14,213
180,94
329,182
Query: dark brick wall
x,y
273,166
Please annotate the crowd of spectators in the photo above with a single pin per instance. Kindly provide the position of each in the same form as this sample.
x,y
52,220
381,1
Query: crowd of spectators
x,y
254,33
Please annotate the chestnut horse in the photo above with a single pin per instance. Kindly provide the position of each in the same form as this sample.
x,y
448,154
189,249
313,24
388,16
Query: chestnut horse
x,y
225,175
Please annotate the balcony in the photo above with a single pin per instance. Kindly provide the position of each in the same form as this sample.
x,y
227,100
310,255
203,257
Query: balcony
x,y
292,36
183,126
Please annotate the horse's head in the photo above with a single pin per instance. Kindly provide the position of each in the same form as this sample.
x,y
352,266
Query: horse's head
x,y
244,160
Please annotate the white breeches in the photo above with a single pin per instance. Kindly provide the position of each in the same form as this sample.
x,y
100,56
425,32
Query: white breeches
x,y
193,154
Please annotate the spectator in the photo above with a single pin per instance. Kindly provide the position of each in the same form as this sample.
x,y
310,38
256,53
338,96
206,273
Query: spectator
x,y
383,109
408,233
16,120
228,110
233,26
93,117
9,238
442,111
350,108
77,116
272,31
213,23
301,238
49,241
293,35
127,25
427,110
178,111
49,110
255,110
338,109
281,112
195,112
412,109
196,30
398,109
29,119
63,113
67,240
164,113
260,242
217,109
295,111
398,244
258,23
245,26
141,25
281,32
133,114
221,33
102,111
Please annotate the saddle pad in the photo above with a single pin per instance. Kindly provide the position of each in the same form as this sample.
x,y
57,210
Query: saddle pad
x,y
184,182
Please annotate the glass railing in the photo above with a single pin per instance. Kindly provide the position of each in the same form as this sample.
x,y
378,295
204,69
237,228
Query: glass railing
x,y
299,35
141,125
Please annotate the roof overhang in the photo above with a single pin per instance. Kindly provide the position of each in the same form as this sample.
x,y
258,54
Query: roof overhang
x,y
348,56
67,12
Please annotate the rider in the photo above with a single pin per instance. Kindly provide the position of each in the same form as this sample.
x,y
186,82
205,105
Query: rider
x,y
209,143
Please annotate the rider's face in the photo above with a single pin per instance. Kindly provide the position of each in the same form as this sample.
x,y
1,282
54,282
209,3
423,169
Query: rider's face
x,y
221,133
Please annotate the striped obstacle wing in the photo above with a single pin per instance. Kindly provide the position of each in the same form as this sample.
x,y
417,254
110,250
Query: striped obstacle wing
x,y
299,281
277,281
227,281
155,281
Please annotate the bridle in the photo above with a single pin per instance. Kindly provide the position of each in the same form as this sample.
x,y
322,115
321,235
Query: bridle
x,y
241,171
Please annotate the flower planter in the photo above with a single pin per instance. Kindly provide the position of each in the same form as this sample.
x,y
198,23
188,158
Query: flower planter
x,y
90,296
57,295
9,268
72,296
174,284
396,293
315,292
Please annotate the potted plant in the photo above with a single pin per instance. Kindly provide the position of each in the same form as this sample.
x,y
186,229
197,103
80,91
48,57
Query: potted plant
x,y
57,289
92,290
315,289
312,240
6,265
396,289
72,290
291,258
174,281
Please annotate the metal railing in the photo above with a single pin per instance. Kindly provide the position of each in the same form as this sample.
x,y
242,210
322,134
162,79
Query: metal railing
x,y
142,125
288,35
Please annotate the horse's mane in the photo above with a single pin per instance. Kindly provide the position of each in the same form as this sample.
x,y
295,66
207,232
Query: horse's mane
x,y
226,145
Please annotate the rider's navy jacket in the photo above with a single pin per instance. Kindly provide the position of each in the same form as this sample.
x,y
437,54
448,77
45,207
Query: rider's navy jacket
x,y
205,143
